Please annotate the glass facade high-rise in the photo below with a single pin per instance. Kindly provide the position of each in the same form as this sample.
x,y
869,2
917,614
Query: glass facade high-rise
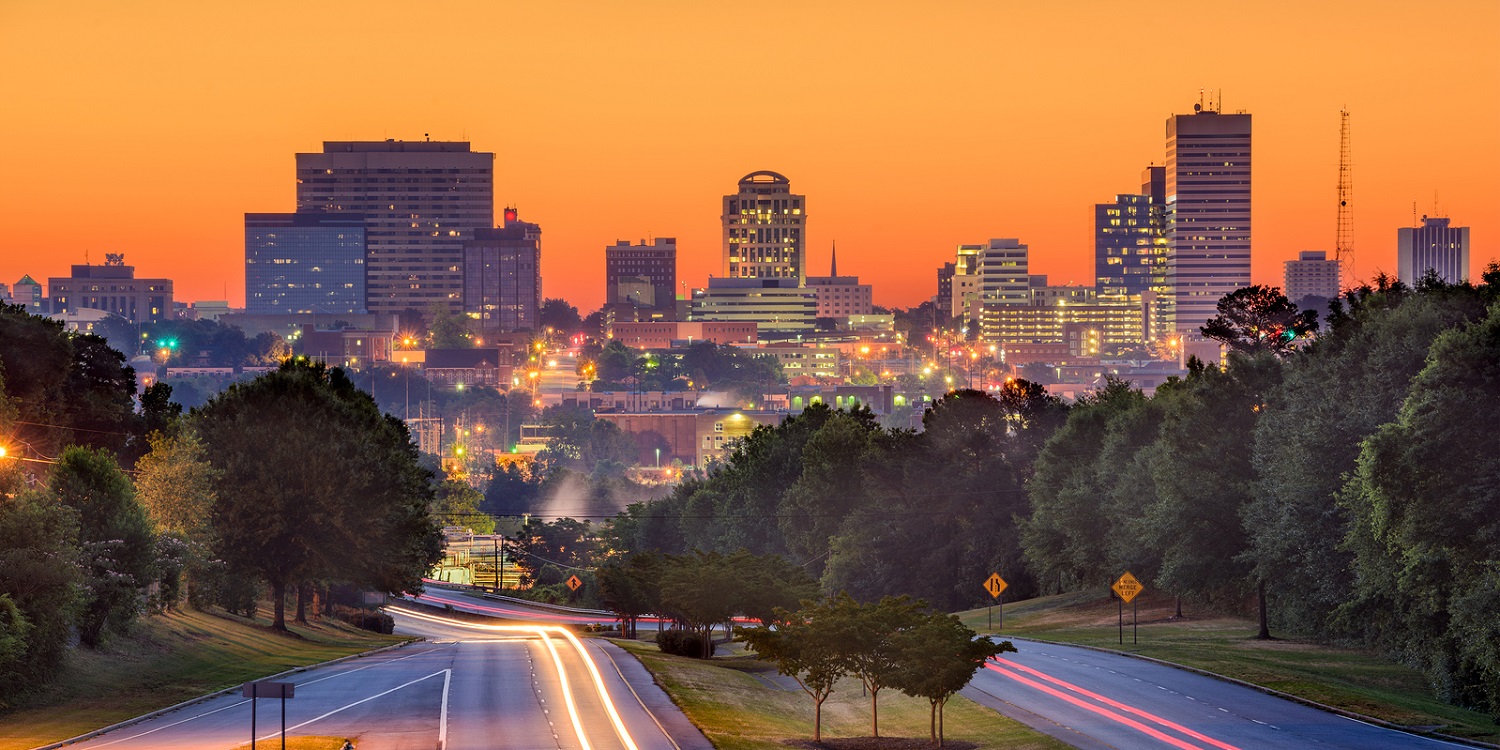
x,y
1434,246
502,276
1125,257
1207,213
422,200
309,262
764,229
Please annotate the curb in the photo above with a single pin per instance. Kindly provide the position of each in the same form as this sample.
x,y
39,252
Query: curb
x,y
217,693
1268,691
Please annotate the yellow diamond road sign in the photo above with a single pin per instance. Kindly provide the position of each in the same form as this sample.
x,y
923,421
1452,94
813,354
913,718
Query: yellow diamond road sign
x,y
574,583
995,584
1127,587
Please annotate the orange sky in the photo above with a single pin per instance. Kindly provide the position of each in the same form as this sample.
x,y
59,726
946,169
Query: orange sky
x,y
150,128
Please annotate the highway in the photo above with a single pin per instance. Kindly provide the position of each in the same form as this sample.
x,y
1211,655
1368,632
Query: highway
x,y
1101,701
468,686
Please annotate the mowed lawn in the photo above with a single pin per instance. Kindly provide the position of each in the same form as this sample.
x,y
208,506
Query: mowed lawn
x,y
1350,679
729,698
166,660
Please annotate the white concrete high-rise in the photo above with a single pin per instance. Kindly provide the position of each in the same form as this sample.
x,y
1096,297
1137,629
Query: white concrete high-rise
x,y
1436,246
1207,213
1312,274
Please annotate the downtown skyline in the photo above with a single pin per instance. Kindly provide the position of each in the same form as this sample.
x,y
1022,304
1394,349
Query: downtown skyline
x,y
907,133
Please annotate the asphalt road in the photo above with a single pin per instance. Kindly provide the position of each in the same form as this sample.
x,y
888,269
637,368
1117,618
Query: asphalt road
x,y
1099,701
464,688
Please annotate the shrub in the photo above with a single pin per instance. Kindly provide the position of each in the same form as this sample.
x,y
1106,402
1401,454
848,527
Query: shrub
x,y
681,643
366,619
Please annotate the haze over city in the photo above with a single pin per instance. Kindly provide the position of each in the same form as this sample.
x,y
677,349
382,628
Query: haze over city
x,y
150,130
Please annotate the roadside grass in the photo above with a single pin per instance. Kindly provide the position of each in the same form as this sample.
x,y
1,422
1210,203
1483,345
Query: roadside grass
x,y
168,659
730,701
1350,679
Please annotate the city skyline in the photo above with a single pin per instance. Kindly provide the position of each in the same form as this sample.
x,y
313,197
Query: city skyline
x,y
904,155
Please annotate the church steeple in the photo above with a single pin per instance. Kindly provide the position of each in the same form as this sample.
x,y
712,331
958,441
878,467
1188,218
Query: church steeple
x,y
833,266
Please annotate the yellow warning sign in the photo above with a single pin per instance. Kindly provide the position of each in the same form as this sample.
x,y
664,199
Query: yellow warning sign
x,y
574,583
994,584
1127,587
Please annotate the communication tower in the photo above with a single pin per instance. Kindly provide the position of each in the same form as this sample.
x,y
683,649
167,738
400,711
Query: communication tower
x,y
1343,246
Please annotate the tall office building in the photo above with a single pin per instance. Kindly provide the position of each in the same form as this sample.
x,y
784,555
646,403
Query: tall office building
x,y
641,275
1312,274
309,262
421,199
781,308
764,229
502,276
1435,246
944,298
113,288
1207,213
964,291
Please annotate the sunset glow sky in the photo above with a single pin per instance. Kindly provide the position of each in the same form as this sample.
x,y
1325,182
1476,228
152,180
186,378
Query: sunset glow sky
x,y
150,128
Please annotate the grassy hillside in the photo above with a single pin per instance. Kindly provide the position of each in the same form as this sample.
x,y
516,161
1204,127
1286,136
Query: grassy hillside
x,y
1350,679
169,659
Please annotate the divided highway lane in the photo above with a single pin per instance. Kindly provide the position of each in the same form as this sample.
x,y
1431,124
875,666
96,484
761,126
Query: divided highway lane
x,y
466,687
1097,700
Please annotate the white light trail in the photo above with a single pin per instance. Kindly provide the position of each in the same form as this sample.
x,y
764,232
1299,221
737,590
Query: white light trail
x,y
541,631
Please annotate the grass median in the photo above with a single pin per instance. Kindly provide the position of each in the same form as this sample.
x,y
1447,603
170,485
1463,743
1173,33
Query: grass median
x,y
735,702
1350,679
168,659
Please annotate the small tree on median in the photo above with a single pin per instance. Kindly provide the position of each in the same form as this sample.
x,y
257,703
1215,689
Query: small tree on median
x,y
939,656
870,645
806,647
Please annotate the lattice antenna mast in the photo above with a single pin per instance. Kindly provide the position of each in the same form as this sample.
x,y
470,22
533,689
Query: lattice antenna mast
x,y
1344,241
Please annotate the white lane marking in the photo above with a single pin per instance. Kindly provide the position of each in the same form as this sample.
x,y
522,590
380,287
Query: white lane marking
x,y
443,717
358,702
244,702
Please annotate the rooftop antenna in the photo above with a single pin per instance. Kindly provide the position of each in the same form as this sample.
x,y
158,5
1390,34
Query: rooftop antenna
x,y
1343,248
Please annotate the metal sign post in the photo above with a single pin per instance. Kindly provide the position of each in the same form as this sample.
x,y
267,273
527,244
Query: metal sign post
x,y
1128,588
995,585
268,689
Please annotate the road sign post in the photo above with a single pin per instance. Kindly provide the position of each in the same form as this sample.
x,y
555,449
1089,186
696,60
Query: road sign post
x,y
995,585
1128,588
267,689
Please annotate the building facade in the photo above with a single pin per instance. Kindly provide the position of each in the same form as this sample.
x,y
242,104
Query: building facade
x,y
502,276
642,275
944,298
1312,274
782,307
307,262
1436,246
764,229
1207,213
1003,273
841,296
1126,257
112,288
421,199
664,334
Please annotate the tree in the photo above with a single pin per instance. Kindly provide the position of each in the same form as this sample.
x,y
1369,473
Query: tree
x,y
315,484
41,576
175,484
700,590
115,535
631,588
1426,517
560,316
871,646
806,647
448,330
456,503
1256,319
939,656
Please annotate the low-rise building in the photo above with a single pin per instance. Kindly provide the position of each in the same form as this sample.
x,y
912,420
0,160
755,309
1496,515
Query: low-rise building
x,y
113,288
665,334
782,308
481,366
